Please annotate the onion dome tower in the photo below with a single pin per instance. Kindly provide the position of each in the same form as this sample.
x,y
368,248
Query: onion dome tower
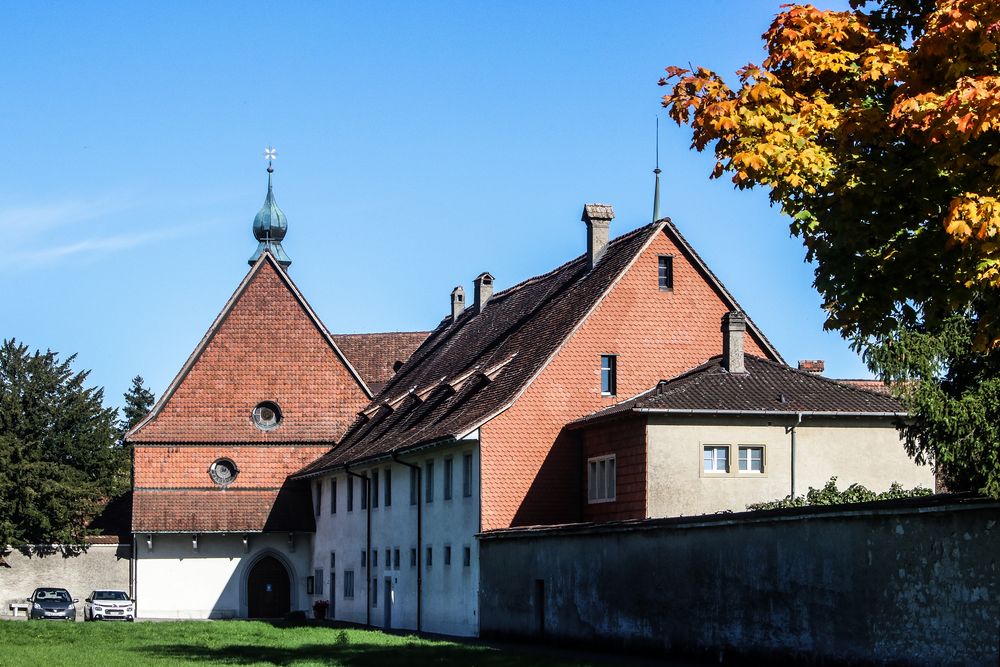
x,y
270,225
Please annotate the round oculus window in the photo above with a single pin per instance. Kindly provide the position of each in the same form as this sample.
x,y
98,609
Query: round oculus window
x,y
223,471
266,416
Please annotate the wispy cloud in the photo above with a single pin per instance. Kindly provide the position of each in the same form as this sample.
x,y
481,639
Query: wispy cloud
x,y
34,219
93,246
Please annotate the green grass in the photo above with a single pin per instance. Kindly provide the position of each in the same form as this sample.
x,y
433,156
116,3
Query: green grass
x,y
239,643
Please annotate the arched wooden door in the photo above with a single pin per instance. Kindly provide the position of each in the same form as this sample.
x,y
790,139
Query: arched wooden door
x,y
268,589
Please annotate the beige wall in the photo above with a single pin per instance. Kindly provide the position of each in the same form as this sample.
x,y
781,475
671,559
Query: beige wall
x,y
865,451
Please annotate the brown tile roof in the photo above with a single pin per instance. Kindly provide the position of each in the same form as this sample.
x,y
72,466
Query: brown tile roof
x,y
766,387
877,386
469,370
374,354
166,511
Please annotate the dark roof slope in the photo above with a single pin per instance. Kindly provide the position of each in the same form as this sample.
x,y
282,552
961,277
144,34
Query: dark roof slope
x,y
374,354
469,370
765,387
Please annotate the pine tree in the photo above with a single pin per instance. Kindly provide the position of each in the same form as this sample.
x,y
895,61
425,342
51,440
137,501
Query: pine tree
x,y
138,402
59,454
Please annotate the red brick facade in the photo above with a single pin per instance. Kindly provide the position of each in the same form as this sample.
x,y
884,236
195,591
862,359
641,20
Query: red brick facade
x,y
531,471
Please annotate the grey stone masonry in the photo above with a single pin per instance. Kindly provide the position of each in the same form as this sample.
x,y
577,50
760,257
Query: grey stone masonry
x,y
598,218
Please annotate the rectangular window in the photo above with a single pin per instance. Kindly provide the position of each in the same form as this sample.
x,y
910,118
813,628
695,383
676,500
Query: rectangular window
x,y
467,475
609,375
350,493
364,558
374,557
374,488
752,459
666,272
447,555
365,488
601,479
318,500
395,559
333,562
448,465
413,557
466,556
348,584
429,482
333,496
318,585
430,557
414,485
716,458
374,591
388,487
388,558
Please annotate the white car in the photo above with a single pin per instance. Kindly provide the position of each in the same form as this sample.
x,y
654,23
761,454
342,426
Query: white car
x,y
109,606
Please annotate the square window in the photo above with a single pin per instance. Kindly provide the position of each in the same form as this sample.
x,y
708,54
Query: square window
x,y
716,458
751,459
466,556
467,475
601,479
666,271
609,375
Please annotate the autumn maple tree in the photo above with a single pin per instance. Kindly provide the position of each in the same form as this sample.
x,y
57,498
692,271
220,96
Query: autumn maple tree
x,y
877,131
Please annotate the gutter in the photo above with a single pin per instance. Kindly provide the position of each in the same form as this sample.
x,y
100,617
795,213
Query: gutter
x,y
798,420
378,458
368,546
420,546
766,413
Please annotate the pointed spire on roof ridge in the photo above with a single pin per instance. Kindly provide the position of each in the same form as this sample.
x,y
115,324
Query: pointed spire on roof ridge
x,y
656,190
270,224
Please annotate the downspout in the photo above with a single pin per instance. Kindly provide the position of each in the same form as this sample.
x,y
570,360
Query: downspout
x,y
798,420
420,546
368,543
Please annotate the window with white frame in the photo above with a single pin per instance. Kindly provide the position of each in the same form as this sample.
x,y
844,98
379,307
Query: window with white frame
x,y
601,479
751,459
609,374
716,459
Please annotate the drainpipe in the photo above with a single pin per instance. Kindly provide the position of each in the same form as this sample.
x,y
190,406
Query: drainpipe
x,y
420,546
368,543
798,420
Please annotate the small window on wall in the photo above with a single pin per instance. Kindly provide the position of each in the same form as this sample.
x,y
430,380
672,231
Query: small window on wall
x,y
448,465
414,485
467,475
395,559
413,557
429,482
466,556
601,479
318,500
388,487
374,591
751,460
318,585
609,375
333,496
716,459
374,484
348,584
364,558
666,270
350,494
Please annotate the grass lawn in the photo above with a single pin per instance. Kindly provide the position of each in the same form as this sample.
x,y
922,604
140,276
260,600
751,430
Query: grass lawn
x,y
237,643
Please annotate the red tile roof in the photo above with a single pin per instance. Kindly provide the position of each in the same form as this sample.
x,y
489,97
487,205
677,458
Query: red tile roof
x,y
231,511
375,354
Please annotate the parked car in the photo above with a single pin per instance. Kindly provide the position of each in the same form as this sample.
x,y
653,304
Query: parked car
x,y
53,604
109,606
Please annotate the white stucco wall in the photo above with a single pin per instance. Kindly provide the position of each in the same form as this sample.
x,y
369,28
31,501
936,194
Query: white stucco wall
x,y
173,580
869,452
450,592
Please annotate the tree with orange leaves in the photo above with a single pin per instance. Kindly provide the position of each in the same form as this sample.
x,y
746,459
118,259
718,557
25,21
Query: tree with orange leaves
x,y
877,131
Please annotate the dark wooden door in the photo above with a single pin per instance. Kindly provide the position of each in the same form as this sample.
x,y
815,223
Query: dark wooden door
x,y
268,589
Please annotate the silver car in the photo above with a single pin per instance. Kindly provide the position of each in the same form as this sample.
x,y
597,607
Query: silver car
x,y
109,606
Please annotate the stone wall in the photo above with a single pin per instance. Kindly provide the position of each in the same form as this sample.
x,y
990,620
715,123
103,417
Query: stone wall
x,y
904,582
100,566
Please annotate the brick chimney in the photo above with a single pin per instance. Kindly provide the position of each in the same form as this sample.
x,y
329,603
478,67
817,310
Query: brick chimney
x,y
812,365
457,302
734,326
598,218
484,290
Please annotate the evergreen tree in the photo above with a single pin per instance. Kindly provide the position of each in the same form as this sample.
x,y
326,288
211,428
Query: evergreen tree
x,y
138,403
59,455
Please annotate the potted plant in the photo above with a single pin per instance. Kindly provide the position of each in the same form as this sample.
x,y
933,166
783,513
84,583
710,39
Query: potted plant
x,y
319,609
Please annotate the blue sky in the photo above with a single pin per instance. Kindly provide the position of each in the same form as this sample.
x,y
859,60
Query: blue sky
x,y
419,145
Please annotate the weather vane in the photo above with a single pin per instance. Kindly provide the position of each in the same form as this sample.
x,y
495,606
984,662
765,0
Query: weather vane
x,y
270,154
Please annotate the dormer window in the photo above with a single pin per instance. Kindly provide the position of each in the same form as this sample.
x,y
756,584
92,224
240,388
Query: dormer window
x,y
266,416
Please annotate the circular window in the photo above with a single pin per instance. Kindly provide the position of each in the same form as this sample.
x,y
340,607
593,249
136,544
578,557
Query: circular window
x,y
266,416
223,471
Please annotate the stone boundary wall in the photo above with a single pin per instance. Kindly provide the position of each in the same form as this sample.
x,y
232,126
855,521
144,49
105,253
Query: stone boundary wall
x,y
910,582
99,566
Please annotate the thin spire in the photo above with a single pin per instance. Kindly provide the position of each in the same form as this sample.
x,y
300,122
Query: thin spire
x,y
270,225
656,190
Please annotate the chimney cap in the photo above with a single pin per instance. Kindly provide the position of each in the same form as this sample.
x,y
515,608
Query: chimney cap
x,y
598,212
485,277
812,365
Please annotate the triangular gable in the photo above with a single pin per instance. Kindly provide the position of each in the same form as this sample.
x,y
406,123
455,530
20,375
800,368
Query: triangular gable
x,y
351,389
